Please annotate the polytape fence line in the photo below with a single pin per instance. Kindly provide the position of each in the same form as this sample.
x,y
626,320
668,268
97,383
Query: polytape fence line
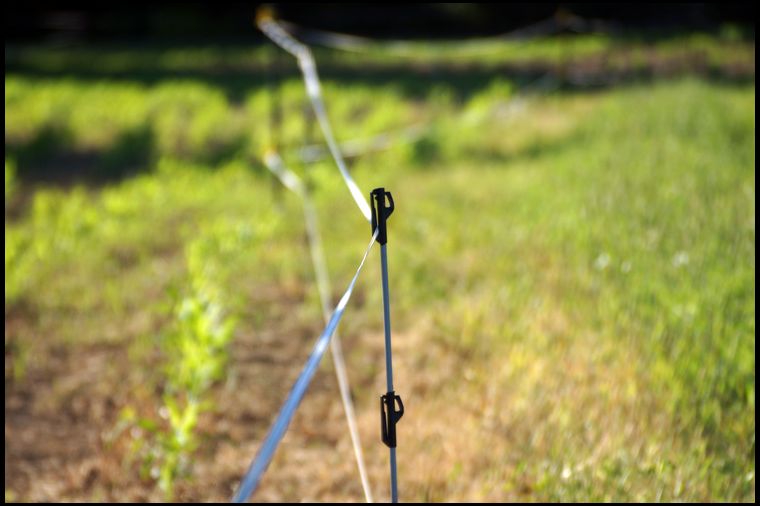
x,y
279,427
291,181
356,147
266,451
313,89
407,48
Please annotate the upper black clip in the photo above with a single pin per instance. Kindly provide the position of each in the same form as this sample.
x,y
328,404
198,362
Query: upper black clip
x,y
380,212
389,417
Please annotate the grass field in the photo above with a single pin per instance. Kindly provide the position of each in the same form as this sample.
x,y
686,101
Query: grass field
x,y
572,282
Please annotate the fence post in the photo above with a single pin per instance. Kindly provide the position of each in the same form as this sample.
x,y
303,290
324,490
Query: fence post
x,y
274,82
389,415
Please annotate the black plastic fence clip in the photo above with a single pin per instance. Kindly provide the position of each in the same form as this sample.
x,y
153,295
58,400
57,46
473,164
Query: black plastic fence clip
x,y
380,212
389,417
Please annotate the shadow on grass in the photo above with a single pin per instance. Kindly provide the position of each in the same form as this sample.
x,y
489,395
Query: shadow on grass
x,y
49,157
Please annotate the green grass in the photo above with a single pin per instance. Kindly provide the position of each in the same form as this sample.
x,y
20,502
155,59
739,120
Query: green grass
x,y
636,231
187,120
573,282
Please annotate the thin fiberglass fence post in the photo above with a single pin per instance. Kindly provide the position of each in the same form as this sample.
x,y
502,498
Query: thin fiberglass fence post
x,y
388,360
389,415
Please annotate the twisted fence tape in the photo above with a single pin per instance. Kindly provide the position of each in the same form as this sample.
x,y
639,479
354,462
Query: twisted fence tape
x,y
277,431
290,180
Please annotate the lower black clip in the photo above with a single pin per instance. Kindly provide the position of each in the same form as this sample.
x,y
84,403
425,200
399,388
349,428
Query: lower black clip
x,y
389,417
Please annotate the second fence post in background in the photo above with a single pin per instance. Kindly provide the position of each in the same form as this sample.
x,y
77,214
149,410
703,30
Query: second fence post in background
x,y
389,416
274,82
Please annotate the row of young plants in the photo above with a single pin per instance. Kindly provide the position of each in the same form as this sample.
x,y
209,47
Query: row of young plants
x,y
194,350
63,236
123,125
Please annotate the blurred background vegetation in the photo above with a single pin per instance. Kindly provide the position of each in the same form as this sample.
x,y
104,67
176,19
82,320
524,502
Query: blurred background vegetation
x,y
572,261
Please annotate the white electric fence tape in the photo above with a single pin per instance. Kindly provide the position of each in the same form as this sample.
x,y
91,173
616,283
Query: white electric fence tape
x,y
275,164
266,451
313,89
464,48
356,147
